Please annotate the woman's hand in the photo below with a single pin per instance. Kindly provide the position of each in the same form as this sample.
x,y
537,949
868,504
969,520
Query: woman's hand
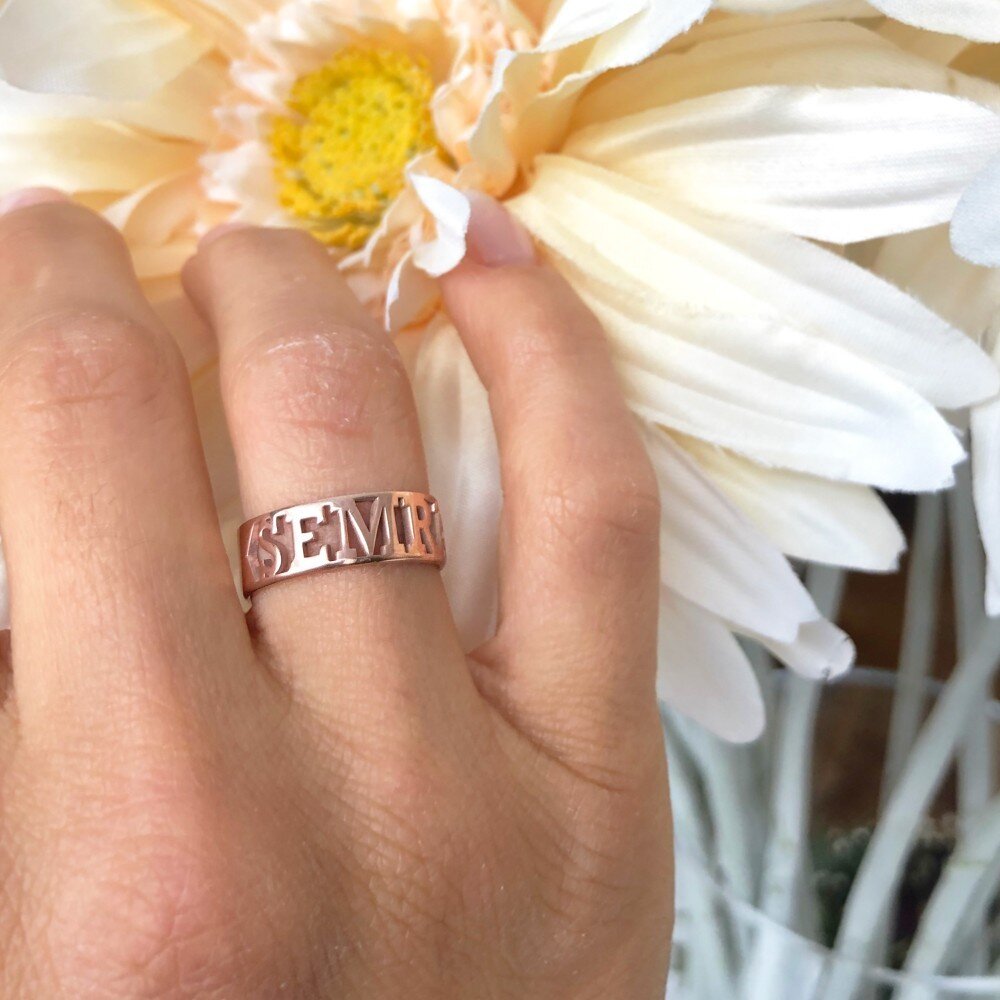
x,y
328,798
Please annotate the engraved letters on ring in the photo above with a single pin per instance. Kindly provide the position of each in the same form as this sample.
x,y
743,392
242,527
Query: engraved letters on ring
x,y
341,531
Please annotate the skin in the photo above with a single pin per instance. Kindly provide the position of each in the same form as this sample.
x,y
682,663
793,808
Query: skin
x,y
328,797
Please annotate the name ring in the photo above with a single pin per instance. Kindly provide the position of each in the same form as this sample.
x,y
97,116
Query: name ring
x,y
390,526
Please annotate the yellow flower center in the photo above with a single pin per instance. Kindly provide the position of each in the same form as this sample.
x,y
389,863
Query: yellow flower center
x,y
339,159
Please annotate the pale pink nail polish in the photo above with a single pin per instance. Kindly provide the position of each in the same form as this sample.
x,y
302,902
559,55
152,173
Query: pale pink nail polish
x,y
26,197
495,238
216,231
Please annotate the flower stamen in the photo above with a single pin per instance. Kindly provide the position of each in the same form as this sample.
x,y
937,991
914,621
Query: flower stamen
x,y
340,158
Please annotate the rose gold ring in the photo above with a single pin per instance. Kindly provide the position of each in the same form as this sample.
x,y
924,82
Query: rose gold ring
x,y
341,531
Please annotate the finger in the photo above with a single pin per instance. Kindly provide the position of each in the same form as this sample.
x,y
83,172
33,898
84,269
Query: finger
x,y
579,559
114,558
319,406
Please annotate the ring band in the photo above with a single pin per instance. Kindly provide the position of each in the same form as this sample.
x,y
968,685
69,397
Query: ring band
x,y
341,531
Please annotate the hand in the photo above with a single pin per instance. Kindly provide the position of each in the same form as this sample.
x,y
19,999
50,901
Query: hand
x,y
325,798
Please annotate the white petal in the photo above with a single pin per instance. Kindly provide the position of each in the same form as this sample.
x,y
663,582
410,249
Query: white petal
x,y
985,424
577,20
766,390
464,468
820,651
597,219
713,556
805,516
766,6
450,210
976,19
838,165
103,48
704,673
411,295
975,230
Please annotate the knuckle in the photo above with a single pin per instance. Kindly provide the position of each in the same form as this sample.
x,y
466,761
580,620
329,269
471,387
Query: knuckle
x,y
618,505
146,924
336,381
32,238
135,896
79,364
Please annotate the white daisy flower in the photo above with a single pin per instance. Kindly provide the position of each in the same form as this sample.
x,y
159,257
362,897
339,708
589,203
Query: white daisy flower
x,y
683,178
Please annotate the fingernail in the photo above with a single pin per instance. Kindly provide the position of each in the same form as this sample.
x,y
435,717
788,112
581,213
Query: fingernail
x,y
216,231
495,238
26,197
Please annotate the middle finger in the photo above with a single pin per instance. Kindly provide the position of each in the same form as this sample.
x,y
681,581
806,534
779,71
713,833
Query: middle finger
x,y
319,405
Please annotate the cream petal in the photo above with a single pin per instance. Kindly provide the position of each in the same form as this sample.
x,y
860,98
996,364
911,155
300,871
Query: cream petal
x,y
464,473
85,155
244,178
224,22
540,123
268,84
499,134
837,165
738,23
103,48
714,557
180,110
162,261
640,36
805,516
826,54
925,264
976,19
611,225
942,49
703,673
154,214
975,230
